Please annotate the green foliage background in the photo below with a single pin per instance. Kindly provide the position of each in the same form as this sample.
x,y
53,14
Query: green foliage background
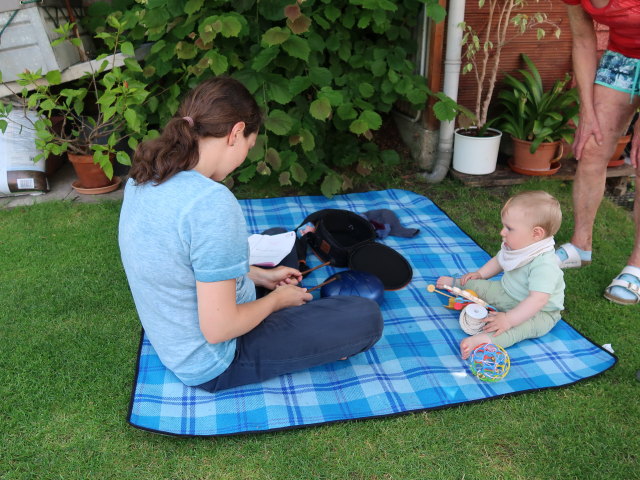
x,y
324,71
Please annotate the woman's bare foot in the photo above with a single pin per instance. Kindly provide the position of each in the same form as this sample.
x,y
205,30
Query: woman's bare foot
x,y
468,344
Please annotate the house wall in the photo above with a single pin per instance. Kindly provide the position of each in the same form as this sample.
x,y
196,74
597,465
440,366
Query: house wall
x,y
551,56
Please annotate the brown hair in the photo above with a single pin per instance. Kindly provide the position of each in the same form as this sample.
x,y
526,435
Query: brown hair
x,y
540,207
209,110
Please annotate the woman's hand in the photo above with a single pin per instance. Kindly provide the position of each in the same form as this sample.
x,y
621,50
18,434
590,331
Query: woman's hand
x,y
290,296
273,277
497,323
470,276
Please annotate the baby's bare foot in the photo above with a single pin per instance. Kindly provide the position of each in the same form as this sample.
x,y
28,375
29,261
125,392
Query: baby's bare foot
x,y
468,344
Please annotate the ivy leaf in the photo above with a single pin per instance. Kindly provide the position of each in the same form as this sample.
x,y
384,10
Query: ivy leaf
x,y
436,11
158,46
366,89
192,6
127,49
372,119
264,58
132,65
320,76
320,109
247,173
334,96
262,168
307,140
231,26
378,67
297,47
278,90
331,185
185,50
331,13
272,157
292,11
217,63
298,173
299,25
275,36
390,157
278,122
299,84
417,97
346,111
54,77
284,179
358,127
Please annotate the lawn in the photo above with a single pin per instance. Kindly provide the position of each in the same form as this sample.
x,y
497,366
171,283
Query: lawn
x,y
70,334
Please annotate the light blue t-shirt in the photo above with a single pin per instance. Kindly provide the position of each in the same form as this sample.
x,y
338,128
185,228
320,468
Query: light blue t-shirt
x,y
186,229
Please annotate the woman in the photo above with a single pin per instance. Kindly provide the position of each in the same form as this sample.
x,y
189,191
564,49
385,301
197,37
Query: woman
x,y
183,243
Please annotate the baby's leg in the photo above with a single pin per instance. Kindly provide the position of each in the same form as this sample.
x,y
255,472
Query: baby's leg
x,y
537,326
468,344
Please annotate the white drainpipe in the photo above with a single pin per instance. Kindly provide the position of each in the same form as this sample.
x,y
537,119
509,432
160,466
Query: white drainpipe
x,y
453,57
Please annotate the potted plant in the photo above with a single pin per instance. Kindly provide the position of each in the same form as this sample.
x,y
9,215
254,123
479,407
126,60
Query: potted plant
x,y
476,144
537,120
90,118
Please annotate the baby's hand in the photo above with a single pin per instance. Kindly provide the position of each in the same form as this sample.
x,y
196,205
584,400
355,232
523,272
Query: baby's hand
x,y
470,276
442,281
497,322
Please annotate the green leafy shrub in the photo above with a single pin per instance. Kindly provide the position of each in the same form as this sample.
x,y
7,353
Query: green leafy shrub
x,y
95,114
535,115
324,71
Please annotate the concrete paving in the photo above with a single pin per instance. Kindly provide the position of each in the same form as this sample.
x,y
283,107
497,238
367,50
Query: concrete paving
x,y
61,189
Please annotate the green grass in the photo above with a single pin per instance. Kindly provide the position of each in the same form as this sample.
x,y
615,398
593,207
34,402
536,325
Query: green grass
x,y
69,334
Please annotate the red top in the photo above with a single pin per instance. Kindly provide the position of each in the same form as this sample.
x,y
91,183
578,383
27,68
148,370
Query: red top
x,y
623,19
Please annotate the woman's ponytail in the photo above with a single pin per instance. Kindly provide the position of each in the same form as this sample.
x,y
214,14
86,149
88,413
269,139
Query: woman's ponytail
x,y
209,110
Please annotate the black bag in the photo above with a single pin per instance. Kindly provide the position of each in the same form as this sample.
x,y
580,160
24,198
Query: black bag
x,y
346,239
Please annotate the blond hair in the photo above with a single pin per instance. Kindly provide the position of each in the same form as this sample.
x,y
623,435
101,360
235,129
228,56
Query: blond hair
x,y
541,208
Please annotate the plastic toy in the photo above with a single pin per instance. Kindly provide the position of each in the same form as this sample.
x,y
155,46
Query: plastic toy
x,y
461,299
489,362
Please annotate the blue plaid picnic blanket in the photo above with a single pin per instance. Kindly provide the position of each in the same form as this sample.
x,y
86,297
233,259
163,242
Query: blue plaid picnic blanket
x,y
415,366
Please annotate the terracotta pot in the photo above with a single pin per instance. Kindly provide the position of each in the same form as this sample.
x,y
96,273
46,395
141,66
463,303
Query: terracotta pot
x,y
616,159
90,175
545,156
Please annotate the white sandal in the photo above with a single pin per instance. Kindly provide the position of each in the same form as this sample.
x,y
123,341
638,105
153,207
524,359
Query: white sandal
x,y
573,259
629,286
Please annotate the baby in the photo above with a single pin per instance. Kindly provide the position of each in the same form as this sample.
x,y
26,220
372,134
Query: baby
x,y
530,295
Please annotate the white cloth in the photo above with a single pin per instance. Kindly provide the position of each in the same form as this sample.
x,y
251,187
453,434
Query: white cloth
x,y
512,259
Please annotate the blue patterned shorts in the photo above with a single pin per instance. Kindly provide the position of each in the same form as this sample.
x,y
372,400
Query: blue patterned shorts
x,y
619,72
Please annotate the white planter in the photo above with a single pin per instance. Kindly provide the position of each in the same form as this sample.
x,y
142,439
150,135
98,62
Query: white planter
x,y
476,155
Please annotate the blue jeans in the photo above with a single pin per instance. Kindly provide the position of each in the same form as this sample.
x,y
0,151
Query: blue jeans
x,y
297,338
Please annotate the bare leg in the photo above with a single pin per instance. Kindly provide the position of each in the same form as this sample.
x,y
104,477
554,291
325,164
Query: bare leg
x,y
614,114
634,259
468,344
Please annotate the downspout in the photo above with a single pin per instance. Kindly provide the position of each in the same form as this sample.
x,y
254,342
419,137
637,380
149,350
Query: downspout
x,y
453,60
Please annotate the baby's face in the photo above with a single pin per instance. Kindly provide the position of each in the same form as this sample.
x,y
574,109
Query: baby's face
x,y
517,231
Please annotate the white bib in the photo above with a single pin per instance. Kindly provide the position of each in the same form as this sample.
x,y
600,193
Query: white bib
x,y
512,259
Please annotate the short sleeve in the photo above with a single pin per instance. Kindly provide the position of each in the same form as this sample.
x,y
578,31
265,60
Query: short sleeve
x,y
544,276
214,229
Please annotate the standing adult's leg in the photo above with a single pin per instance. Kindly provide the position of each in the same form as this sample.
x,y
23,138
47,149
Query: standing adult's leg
x,y
614,114
634,258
